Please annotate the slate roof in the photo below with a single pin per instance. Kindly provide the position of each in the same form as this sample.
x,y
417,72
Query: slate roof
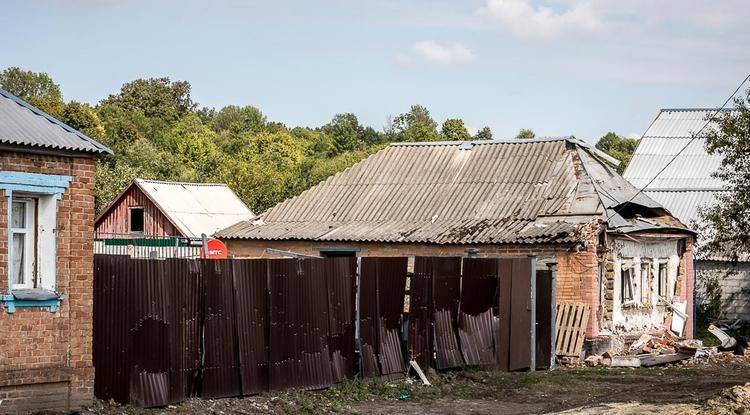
x,y
502,191
22,124
687,182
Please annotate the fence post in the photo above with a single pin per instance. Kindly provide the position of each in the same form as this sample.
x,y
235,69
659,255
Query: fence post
x,y
553,304
532,352
357,332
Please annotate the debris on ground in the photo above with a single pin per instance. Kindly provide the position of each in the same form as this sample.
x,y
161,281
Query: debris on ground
x,y
661,347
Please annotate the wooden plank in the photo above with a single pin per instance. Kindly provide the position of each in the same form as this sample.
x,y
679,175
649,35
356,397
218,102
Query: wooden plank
x,y
571,321
654,360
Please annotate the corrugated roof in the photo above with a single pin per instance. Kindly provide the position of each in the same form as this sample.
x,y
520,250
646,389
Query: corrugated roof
x,y
22,124
687,182
512,191
196,208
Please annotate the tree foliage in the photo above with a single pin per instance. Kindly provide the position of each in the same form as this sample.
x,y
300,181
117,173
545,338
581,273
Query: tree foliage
x,y
483,134
726,224
36,88
157,131
454,130
525,133
621,148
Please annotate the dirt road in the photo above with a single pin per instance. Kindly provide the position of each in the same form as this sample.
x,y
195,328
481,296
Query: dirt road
x,y
665,390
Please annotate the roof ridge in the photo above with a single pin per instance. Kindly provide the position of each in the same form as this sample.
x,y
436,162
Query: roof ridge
x,y
179,183
55,121
475,142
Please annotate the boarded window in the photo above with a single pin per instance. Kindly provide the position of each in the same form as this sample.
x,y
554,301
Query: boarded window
x,y
136,219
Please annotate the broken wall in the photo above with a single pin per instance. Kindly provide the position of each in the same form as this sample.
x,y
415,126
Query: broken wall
x,y
640,277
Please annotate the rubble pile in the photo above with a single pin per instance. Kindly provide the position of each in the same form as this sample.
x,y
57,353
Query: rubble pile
x,y
664,347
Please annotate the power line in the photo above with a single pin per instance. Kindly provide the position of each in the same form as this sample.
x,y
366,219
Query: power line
x,y
696,135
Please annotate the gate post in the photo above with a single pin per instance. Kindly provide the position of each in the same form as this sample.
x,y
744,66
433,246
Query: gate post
x,y
553,324
532,346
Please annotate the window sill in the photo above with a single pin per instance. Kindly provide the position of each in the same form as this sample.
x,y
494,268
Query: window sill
x,y
29,299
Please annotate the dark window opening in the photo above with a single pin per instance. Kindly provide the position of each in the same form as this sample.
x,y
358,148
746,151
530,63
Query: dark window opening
x,y
626,285
136,219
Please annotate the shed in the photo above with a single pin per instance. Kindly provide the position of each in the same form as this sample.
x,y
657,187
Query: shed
x,y
555,198
171,209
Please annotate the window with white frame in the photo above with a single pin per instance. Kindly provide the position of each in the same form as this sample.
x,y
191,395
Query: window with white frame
x,y
23,239
31,207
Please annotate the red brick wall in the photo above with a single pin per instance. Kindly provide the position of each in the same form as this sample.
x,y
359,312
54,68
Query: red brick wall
x,y
577,281
46,358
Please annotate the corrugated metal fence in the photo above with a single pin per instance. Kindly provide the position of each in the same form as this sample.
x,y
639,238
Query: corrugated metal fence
x,y
169,329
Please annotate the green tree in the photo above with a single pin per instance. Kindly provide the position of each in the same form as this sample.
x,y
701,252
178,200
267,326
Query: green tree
x,y
157,98
83,118
525,133
484,134
344,131
453,129
726,224
239,119
36,88
621,148
415,125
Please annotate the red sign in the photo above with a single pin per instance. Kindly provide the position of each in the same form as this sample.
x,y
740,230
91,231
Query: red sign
x,y
216,249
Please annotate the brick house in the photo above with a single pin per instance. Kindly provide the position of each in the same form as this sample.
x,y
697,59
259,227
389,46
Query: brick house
x,y
556,198
47,174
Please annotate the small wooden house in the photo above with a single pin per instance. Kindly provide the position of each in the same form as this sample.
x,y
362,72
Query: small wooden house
x,y
151,208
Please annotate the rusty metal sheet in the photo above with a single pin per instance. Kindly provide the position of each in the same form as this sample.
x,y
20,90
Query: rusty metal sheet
x,y
513,338
299,353
383,284
502,335
220,359
250,278
420,341
476,317
341,275
446,286
520,328
185,280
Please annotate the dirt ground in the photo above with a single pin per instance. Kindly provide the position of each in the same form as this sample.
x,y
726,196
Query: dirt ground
x,y
676,389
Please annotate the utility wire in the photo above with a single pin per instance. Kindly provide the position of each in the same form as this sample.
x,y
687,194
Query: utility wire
x,y
696,135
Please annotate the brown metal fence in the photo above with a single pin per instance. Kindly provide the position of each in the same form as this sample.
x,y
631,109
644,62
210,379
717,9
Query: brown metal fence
x,y
169,329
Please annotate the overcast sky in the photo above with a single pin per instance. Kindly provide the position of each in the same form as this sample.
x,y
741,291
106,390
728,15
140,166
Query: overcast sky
x,y
558,67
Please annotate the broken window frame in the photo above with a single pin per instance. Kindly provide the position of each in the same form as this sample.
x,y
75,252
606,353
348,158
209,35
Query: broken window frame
x,y
646,278
662,280
626,284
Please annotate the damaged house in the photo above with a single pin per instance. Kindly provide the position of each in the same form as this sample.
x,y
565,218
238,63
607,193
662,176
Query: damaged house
x,y
687,184
557,199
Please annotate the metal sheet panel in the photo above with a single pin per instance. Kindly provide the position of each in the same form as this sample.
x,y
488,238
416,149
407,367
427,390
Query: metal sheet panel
x,y
421,308
221,375
382,303
476,316
341,276
251,314
520,327
446,276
